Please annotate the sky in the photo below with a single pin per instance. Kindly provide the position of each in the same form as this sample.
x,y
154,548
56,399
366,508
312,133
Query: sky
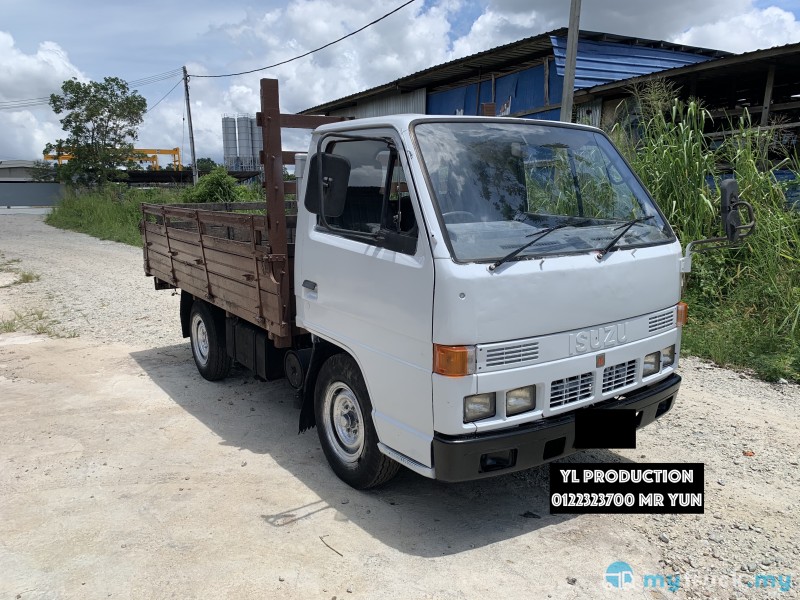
x,y
44,43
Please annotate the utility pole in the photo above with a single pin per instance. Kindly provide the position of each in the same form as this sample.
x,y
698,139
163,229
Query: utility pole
x,y
569,68
191,131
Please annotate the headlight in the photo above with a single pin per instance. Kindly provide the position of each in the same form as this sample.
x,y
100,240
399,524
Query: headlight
x,y
652,364
479,406
520,400
668,357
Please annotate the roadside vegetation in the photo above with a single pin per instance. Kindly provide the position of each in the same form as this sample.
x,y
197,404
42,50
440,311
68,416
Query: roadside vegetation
x,y
35,321
744,304
19,275
31,320
112,211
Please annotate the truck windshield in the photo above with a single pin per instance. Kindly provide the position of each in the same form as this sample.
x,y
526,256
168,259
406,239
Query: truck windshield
x,y
498,184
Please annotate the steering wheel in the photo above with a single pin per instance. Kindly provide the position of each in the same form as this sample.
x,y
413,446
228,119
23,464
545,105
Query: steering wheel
x,y
459,216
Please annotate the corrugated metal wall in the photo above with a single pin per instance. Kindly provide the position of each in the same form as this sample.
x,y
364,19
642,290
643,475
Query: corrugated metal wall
x,y
514,94
413,102
603,62
589,113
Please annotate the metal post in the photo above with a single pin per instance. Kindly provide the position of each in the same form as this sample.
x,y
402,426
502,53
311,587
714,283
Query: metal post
x,y
572,52
767,96
189,119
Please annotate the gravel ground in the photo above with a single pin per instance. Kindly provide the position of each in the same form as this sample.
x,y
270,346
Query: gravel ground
x,y
126,475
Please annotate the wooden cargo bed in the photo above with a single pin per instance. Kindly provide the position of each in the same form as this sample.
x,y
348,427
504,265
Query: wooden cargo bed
x,y
221,253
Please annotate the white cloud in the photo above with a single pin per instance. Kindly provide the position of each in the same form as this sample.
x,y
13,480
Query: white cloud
x,y
751,30
33,75
415,38
494,28
25,132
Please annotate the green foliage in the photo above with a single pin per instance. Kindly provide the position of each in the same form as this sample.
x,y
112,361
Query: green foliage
x,y
101,121
217,186
43,171
109,213
205,164
745,303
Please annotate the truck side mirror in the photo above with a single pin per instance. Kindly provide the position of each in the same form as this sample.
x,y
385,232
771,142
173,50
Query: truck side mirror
x,y
327,184
730,205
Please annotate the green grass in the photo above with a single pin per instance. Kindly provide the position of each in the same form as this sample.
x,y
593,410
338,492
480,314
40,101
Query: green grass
x,y
36,321
27,277
109,214
9,325
113,212
22,276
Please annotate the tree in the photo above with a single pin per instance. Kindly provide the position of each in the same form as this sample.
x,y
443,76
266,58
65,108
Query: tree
x,y
43,171
101,120
205,164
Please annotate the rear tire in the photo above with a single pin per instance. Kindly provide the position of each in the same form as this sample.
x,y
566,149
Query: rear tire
x,y
208,343
344,423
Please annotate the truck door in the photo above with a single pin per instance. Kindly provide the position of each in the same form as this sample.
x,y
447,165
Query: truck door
x,y
365,282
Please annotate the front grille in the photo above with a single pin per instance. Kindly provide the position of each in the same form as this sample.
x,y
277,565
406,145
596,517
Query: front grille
x,y
661,321
512,354
571,389
619,376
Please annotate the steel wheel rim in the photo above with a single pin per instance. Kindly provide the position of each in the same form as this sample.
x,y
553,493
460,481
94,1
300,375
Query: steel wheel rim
x,y
200,343
344,422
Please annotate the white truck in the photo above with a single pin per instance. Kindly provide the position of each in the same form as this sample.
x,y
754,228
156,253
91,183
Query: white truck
x,y
450,292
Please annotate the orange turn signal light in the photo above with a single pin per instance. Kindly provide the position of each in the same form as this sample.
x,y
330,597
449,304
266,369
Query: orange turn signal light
x,y
683,313
453,361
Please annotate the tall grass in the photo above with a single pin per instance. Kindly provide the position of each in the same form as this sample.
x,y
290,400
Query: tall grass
x,y
113,212
109,213
745,302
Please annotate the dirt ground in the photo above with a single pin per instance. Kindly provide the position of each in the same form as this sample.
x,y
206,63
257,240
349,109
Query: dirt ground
x,y
123,474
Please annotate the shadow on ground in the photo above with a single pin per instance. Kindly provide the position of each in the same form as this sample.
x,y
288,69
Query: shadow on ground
x,y
412,514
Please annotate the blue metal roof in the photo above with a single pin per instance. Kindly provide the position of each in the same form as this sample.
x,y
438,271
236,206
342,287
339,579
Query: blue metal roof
x,y
601,62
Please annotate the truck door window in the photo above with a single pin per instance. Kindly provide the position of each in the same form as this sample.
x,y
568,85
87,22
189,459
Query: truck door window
x,y
378,198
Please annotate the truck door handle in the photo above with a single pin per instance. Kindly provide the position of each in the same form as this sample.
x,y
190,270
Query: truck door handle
x,y
310,285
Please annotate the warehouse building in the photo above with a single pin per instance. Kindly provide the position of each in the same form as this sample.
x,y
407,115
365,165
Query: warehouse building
x,y
525,79
520,79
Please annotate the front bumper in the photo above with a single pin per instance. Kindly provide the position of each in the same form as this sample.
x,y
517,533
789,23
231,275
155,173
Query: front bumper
x,y
474,456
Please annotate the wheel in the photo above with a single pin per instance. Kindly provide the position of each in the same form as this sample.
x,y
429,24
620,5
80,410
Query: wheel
x,y
344,424
208,345
459,216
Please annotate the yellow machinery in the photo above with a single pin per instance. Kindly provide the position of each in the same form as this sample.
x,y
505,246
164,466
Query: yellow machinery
x,y
140,155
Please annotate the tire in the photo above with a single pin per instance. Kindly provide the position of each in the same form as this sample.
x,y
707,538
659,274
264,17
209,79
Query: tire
x,y
344,423
208,343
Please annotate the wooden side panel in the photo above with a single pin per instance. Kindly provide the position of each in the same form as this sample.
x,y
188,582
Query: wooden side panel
x,y
237,272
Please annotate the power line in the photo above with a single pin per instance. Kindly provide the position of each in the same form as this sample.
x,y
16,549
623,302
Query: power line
x,y
164,96
344,37
136,83
155,78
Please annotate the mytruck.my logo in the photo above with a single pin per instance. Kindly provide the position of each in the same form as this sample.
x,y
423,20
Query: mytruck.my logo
x,y
619,576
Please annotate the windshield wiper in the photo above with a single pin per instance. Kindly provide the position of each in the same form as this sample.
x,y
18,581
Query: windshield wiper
x,y
539,235
612,245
